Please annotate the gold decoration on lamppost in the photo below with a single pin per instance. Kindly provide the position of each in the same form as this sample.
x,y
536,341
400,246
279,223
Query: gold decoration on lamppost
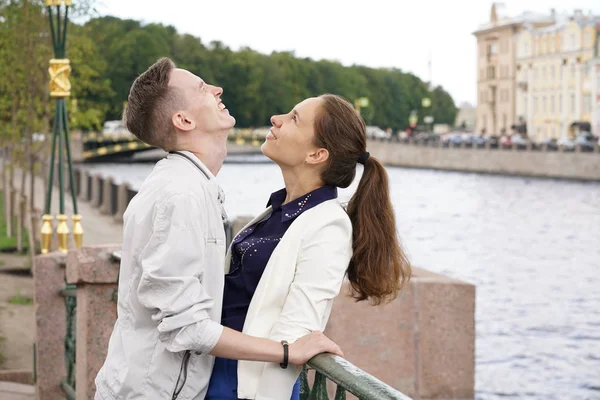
x,y
46,233
60,89
50,3
62,231
60,70
77,230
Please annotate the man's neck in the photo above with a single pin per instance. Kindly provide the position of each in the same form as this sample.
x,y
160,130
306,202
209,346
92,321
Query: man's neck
x,y
210,149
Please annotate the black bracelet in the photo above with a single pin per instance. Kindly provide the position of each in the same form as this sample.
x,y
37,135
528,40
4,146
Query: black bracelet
x,y
284,364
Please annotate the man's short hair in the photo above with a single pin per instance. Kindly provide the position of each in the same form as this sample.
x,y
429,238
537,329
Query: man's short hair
x,y
151,104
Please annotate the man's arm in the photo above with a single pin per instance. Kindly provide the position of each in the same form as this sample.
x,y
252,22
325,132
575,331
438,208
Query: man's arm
x,y
171,286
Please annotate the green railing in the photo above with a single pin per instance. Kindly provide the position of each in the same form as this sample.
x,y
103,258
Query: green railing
x,y
70,295
347,377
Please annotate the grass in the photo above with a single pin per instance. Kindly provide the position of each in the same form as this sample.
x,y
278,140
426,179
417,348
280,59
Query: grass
x,y
9,244
21,300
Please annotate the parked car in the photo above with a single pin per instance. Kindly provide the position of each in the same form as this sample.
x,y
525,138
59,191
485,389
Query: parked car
x,y
518,140
551,143
452,139
375,132
586,141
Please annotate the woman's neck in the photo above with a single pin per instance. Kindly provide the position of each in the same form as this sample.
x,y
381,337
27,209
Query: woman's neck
x,y
300,182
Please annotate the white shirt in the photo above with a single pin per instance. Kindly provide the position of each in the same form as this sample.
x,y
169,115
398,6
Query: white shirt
x,y
170,286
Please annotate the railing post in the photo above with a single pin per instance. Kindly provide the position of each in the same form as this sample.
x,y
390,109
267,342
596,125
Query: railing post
x,y
422,343
122,201
95,273
105,205
50,323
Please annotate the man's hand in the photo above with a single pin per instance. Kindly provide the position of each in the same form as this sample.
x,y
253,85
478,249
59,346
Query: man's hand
x,y
309,346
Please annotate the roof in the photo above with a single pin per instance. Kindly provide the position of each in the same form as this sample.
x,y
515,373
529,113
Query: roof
x,y
526,17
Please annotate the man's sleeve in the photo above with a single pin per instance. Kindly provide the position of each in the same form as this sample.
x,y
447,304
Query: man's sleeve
x,y
172,268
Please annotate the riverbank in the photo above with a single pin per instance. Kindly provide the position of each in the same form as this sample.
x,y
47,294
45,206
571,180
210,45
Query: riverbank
x,y
572,165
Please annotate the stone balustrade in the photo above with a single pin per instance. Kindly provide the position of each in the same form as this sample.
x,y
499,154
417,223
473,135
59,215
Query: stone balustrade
x,y
422,344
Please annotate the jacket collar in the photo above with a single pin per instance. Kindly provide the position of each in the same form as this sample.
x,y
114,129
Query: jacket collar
x,y
193,159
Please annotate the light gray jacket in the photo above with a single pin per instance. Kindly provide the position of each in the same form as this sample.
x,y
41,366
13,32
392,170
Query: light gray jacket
x,y
170,287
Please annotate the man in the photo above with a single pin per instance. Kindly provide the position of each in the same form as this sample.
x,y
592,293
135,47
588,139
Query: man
x,y
172,269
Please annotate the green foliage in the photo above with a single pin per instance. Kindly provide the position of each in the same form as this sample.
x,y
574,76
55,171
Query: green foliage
x,y
108,53
258,85
21,300
10,243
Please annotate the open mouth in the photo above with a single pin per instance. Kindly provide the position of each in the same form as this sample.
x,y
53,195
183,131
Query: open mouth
x,y
271,136
221,106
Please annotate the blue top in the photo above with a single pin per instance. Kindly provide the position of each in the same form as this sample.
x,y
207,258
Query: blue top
x,y
252,248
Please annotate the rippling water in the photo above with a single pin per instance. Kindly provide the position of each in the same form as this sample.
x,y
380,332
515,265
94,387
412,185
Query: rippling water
x,y
531,246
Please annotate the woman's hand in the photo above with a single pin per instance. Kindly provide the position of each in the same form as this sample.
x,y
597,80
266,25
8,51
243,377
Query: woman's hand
x,y
309,346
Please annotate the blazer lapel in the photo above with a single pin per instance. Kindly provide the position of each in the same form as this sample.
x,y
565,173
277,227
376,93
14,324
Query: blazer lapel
x,y
249,224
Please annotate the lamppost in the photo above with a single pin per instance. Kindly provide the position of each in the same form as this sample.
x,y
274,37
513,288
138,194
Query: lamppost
x,y
360,103
60,89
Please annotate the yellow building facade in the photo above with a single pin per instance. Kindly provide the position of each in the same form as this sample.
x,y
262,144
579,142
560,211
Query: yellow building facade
x,y
554,76
497,69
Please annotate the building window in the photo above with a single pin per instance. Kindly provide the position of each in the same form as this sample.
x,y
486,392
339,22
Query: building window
x,y
572,71
492,49
587,104
552,104
572,41
491,72
544,76
535,104
552,72
560,103
561,72
572,103
544,104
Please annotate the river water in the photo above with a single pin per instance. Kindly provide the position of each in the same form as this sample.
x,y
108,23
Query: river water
x,y
531,246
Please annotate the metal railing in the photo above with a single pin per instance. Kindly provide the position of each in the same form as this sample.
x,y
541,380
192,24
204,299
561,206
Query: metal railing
x,y
70,295
347,377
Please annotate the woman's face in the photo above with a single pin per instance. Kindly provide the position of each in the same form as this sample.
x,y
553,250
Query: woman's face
x,y
290,142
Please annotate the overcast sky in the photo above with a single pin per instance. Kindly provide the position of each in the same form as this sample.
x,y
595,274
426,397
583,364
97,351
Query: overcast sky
x,y
376,33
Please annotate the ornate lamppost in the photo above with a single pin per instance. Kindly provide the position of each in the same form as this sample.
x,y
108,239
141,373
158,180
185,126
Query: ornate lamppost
x,y
60,89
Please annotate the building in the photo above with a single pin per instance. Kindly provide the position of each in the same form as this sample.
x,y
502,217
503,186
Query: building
x,y
496,66
554,77
595,71
466,117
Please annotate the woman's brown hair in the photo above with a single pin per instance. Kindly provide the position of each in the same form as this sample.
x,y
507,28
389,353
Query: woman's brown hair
x,y
379,267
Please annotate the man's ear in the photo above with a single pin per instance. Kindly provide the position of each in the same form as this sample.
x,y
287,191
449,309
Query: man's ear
x,y
182,122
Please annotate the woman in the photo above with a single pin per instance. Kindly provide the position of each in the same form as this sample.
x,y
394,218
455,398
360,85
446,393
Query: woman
x,y
288,264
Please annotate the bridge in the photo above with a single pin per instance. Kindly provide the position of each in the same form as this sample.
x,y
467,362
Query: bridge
x,y
93,146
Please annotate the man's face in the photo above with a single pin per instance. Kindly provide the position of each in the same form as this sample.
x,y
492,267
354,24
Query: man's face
x,y
203,107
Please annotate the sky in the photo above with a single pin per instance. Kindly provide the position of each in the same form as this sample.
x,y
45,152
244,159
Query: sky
x,y
376,33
